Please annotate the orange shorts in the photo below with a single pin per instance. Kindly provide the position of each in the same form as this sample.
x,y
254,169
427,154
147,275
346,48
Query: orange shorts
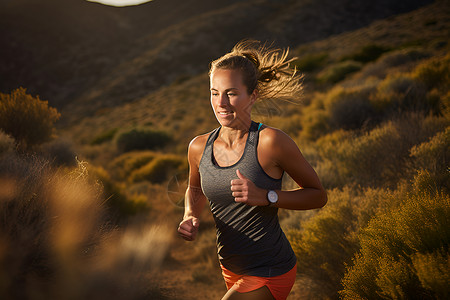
x,y
280,286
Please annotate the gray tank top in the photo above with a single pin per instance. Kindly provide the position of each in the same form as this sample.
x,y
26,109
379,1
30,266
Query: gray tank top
x,y
249,238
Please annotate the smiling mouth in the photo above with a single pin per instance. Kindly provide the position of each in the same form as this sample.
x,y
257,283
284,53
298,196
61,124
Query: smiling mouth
x,y
225,113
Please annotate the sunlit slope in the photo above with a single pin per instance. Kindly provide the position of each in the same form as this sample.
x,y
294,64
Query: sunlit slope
x,y
182,108
94,56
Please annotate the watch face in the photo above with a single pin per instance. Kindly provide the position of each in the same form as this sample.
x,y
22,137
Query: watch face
x,y
272,196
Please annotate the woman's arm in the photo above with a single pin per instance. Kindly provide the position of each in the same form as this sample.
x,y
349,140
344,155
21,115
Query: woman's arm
x,y
195,199
280,153
288,157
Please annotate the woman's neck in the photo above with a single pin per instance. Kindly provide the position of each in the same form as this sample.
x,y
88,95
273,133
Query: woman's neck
x,y
234,135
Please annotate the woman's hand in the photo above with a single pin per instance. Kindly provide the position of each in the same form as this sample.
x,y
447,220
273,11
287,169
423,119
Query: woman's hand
x,y
245,191
188,228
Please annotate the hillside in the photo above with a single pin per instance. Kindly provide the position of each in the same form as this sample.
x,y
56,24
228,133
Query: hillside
x,y
167,107
93,56
58,49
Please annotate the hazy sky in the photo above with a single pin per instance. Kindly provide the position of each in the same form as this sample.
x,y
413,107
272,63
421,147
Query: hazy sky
x,y
120,2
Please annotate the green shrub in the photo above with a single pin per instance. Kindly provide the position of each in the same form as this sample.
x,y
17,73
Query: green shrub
x,y
292,125
379,157
371,104
350,108
159,169
104,137
327,241
332,165
128,162
340,108
324,243
352,113
29,120
396,249
310,62
373,159
391,60
432,271
416,128
434,73
422,90
338,71
403,56
142,139
367,53
434,157
138,203
120,206
314,122
401,93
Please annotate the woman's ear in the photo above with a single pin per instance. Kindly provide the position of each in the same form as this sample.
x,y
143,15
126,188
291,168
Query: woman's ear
x,y
254,96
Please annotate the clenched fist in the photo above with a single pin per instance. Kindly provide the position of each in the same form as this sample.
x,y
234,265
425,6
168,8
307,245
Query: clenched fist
x,y
188,228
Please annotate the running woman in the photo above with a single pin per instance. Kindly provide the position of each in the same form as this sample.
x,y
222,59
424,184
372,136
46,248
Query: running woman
x,y
238,169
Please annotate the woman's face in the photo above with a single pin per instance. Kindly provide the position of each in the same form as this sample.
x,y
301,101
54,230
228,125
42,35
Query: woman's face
x,y
229,98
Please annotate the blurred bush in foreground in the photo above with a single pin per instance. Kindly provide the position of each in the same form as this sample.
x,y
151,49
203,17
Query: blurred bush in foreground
x,y
6,143
56,241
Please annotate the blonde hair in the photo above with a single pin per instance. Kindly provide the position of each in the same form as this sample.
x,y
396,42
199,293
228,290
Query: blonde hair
x,y
263,68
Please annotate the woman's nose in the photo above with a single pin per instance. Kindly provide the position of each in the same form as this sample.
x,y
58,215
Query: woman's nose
x,y
223,100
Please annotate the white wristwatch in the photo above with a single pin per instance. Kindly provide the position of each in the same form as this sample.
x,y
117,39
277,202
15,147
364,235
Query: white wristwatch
x,y
272,196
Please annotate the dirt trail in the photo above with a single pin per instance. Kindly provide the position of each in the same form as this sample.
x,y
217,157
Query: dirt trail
x,y
181,277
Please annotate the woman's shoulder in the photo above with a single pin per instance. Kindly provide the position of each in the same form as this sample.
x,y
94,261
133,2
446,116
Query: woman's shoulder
x,y
271,136
198,142
278,147
196,146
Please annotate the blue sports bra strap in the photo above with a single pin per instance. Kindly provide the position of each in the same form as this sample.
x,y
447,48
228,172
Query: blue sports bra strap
x,y
259,126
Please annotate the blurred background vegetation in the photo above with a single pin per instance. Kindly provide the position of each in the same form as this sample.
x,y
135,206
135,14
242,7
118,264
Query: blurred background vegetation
x,y
98,105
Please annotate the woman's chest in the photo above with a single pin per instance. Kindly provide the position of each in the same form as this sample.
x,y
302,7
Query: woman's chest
x,y
225,156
